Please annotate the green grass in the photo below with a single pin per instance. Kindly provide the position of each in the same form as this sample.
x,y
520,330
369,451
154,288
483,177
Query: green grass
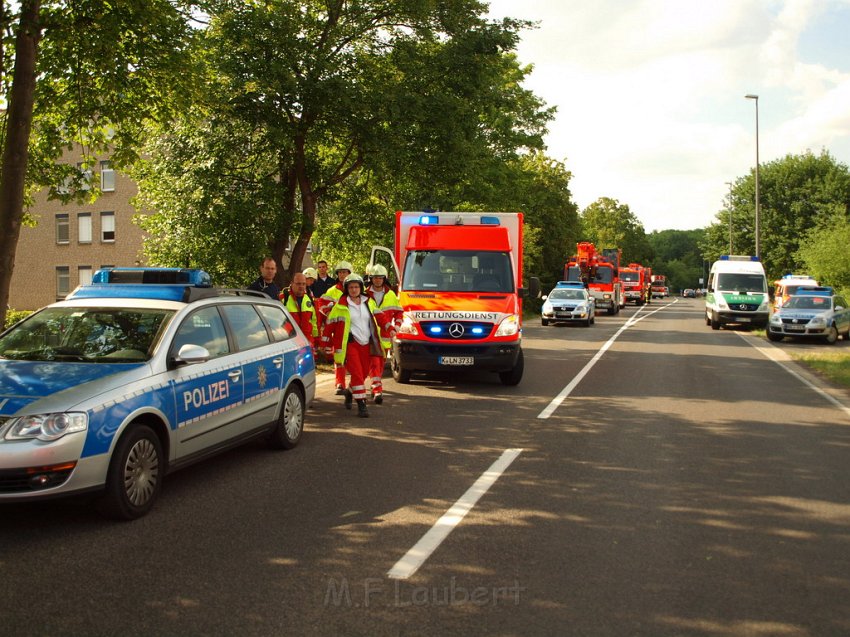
x,y
834,365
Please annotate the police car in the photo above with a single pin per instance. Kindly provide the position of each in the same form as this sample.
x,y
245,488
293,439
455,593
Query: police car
x,y
140,373
568,302
814,311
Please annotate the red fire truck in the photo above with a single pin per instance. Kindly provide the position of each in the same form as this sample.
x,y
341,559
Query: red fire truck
x,y
599,273
659,286
635,283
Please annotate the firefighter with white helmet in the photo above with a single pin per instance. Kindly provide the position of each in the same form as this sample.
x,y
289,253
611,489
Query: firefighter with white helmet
x,y
353,336
324,306
387,302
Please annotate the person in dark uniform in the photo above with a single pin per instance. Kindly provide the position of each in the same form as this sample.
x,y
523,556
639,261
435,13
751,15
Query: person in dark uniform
x,y
265,282
324,281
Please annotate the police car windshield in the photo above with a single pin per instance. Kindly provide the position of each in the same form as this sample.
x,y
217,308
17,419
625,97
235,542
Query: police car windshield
x,y
458,271
739,282
87,335
809,303
566,293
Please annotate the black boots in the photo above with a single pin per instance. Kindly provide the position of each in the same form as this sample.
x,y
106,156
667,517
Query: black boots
x,y
362,412
348,398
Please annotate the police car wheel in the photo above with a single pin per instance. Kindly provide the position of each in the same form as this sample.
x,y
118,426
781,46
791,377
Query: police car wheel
x,y
290,424
831,334
773,336
135,474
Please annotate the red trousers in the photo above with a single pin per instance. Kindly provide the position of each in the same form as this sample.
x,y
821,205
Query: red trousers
x,y
357,364
376,371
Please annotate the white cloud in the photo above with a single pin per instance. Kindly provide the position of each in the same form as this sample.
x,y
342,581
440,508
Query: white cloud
x,y
650,96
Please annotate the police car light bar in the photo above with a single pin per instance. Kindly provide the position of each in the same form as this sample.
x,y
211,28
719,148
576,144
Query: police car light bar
x,y
738,257
153,276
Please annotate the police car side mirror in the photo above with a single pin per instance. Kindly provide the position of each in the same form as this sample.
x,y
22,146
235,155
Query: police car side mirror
x,y
544,297
190,354
839,307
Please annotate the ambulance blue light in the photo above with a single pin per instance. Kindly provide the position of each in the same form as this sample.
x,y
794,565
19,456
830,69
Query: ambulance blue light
x,y
435,329
429,220
490,221
477,330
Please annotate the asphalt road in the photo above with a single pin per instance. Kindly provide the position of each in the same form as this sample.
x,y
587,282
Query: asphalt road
x,y
649,476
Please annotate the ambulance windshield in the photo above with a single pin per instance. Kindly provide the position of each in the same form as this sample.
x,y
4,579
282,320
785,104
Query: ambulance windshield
x,y
741,282
458,271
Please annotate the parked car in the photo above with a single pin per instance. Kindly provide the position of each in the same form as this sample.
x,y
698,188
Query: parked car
x,y
811,312
568,302
138,374
689,294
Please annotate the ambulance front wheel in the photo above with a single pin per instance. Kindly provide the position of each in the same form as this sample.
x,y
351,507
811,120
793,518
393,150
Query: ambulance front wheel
x,y
400,374
513,376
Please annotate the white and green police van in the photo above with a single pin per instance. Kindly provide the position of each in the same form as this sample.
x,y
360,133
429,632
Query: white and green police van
x,y
737,293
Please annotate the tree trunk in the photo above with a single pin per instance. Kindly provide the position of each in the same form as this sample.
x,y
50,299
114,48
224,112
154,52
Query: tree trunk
x,y
15,150
308,206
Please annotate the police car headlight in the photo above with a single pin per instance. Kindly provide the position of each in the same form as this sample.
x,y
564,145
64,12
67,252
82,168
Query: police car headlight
x,y
765,304
47,427
721,302
818,321
408,326
547,307
509,326
776,319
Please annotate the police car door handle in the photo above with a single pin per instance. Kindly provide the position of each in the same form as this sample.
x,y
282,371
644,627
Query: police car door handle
x,y
277,361
234,375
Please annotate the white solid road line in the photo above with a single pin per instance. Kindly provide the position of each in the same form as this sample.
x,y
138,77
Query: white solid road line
x,y
566,391
429,542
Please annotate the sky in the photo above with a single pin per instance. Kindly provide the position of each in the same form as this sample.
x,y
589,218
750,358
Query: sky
x,y
650,94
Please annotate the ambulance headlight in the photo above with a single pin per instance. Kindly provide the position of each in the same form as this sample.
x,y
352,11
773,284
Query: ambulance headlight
x,y
46,427
509,326
408,326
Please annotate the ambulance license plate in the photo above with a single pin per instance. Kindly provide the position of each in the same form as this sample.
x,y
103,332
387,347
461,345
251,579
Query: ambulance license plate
x,y
457,360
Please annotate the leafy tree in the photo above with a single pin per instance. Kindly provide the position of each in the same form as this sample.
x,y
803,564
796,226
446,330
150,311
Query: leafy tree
x,y
609,224
678,256
329,97
797,193
825,253
86,72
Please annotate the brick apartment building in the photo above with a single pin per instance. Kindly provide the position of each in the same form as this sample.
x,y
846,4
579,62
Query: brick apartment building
x,y
71,241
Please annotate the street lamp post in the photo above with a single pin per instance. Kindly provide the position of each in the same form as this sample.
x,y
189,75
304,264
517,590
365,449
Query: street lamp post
x,y
729,183
758,203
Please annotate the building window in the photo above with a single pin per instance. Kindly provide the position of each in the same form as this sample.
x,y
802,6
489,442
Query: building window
x,y
84,275
63,281
63,228
107,177
85,175
107,227
84,227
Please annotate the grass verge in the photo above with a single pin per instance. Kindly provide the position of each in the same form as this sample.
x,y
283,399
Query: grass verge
x,y
834,365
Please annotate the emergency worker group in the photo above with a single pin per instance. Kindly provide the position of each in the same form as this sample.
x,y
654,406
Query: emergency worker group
x,y
345,319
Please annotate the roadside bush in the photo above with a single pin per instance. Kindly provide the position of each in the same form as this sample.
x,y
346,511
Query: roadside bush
x,y
13,316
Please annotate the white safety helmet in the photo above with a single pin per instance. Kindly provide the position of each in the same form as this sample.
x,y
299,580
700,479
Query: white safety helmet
x,y
311,273
352,278
344,265
378,270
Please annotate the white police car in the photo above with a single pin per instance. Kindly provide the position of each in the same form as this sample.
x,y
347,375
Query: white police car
x,y
139,374
568,302
812,312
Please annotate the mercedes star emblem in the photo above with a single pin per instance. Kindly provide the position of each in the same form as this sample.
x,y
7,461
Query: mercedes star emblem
x,y
456,330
